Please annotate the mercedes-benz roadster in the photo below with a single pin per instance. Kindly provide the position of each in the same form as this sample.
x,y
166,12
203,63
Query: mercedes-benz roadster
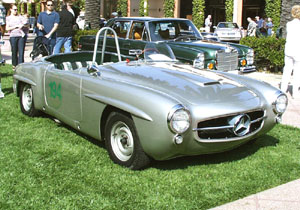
x,y
151,108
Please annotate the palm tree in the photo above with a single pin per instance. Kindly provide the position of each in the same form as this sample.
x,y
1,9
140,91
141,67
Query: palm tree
x,y
92,13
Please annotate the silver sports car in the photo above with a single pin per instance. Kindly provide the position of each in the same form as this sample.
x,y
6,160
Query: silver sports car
x,y
151,108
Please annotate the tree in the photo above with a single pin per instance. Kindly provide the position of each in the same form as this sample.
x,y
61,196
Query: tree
x,y
229,10
92,13
169,8
198,12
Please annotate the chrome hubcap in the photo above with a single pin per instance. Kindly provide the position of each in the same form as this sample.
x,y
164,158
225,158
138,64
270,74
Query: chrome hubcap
x,y
27,98
121,141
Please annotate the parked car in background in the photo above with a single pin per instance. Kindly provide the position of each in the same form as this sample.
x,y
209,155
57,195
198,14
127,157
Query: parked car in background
x,y
152,108
80,22
32,24
228,31
182,36
82,25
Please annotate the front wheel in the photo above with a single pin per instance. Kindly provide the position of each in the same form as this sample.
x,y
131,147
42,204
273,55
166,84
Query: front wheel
x,y
122,142
26,101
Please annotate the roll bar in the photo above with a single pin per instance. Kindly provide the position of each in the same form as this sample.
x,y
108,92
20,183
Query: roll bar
x,y
105,29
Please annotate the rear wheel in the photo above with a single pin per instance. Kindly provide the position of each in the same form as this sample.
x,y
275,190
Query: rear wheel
x,y
26,101
122,142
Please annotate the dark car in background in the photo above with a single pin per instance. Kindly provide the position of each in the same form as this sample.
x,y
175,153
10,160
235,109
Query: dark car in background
x,y
182,36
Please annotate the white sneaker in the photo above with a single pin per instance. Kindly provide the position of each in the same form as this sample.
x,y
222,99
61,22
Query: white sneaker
x,y
1,94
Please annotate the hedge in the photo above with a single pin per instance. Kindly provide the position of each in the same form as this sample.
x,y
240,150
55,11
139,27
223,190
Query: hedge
x,y
78,34
269,52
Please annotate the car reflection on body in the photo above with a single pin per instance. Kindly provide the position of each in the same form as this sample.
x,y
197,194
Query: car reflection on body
x,y
210,36
182,36
228,31
152,108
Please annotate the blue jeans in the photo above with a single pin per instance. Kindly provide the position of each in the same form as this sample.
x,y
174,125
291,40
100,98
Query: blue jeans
x,y
60,41
17,49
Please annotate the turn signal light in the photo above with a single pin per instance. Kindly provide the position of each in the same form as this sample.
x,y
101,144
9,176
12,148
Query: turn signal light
x,y
210,66
243,62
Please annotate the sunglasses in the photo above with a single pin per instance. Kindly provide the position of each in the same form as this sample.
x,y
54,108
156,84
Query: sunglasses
x,y
50,5
15,9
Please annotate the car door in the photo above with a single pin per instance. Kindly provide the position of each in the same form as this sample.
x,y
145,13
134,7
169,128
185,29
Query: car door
x,y
138,36
62,93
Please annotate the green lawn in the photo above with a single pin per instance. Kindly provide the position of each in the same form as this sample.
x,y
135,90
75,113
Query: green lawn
x,y
45,165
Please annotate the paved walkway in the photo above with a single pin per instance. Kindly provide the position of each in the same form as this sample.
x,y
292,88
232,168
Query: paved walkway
x,y
283,197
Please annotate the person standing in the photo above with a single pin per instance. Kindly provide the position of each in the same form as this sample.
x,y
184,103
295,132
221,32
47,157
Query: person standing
x,y
47,24
64,30
208,23
15,25
269,27
2,18
292,55
251,29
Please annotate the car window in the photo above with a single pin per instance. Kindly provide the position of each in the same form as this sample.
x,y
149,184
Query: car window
x,y
138,31
228,25
165,30
121,28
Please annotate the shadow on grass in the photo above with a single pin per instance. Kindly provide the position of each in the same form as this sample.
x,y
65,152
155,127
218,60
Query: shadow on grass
x,y
238,153
8,91
88,138
4,75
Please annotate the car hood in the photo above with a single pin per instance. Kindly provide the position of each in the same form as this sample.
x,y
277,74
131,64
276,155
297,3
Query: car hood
x,y
207,46
184,82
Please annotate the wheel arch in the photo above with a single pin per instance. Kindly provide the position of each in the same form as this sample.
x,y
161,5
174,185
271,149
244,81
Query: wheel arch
x,y
106,112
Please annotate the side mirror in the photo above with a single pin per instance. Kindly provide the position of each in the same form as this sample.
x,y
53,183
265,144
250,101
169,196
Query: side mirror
x,y
94,70
215,27
137,53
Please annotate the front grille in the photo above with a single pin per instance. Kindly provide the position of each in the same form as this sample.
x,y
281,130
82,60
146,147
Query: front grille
x,y
227,127
227,61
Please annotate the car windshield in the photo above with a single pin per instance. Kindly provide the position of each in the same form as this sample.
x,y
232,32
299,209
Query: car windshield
x,y
158,52
227,25
173,30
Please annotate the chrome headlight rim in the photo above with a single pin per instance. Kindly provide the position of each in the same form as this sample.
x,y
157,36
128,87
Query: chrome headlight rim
x,y
176,109
276,104
199,61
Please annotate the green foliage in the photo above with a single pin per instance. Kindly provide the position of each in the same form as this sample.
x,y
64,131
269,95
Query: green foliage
x,y
29,9
198,12
122,6
22,7
229,10
269,51
78,34
169,8
273,10
45,165
38,8
142,10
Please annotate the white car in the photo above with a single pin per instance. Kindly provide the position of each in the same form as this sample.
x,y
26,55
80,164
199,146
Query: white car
x,y
80,21
228,31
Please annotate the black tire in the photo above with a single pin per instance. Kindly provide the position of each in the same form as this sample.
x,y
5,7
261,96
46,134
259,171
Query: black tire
x,y
122,142
27,102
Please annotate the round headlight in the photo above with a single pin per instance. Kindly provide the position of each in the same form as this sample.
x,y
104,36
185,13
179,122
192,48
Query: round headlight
x,y
179,119
280,104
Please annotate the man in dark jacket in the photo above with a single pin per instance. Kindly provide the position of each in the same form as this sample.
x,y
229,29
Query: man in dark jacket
x,y
64,31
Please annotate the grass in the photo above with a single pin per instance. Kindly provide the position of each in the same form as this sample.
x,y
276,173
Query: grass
x,y
45,165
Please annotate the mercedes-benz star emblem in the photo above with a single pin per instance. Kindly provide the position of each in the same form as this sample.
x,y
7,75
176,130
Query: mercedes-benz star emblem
x,y
241,124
